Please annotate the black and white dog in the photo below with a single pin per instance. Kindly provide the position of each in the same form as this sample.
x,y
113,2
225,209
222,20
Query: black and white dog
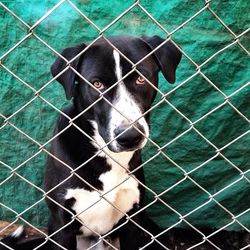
x,y
102,192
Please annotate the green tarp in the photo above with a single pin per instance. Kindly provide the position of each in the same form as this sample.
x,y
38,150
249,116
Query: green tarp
x,y
176,193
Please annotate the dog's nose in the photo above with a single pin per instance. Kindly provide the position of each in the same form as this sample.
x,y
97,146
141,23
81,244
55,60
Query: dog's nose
x,y
130,138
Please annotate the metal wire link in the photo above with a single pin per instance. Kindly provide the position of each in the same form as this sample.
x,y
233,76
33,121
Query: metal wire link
x,y
193,127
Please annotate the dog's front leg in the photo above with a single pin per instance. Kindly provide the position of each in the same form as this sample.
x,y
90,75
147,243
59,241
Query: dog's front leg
x,y
129,236
64,239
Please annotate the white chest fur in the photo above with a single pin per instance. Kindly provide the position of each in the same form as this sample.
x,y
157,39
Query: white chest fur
x,y
100,211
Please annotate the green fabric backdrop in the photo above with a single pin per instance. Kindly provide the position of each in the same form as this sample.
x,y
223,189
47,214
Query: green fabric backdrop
x,y
200,39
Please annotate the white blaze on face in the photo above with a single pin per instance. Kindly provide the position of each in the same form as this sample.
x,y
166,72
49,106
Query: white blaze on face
x,y
126,110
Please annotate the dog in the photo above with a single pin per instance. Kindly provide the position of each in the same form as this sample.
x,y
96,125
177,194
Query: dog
x,y
93,180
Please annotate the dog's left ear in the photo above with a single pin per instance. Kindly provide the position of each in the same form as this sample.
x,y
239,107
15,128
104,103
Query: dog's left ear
x,y
67,79
167,56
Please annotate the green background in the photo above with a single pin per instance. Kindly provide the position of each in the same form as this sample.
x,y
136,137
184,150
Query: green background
x,y
199,39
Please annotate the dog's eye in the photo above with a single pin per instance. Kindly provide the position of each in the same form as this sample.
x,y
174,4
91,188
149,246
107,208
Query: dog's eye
x,y
140,80
98,85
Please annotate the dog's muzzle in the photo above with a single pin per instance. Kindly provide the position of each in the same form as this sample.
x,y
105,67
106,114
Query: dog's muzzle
x,y
129,138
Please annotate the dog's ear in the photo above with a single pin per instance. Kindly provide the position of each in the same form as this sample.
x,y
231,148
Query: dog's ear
x,y
67,79
167,56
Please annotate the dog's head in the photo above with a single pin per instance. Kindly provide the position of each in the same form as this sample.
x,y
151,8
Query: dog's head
x,y
122,104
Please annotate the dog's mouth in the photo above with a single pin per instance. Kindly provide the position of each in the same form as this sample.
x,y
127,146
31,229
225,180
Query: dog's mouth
x,y
116,148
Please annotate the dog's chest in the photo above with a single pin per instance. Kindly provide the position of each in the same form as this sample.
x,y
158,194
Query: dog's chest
x,y
100,210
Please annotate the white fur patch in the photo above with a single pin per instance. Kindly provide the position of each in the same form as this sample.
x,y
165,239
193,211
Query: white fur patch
x,y
126,110
17,233
118,69
96,212
118,188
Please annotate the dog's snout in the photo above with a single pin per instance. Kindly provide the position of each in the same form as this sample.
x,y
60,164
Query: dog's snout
x,y
129,137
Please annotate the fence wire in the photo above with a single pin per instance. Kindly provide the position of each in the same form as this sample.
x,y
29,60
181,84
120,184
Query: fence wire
x,y
218,151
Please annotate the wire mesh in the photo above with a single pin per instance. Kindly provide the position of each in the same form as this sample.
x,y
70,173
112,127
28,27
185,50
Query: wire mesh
x,y
163,98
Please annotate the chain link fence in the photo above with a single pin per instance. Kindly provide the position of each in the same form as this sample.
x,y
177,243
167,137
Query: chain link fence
x,y
161,150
